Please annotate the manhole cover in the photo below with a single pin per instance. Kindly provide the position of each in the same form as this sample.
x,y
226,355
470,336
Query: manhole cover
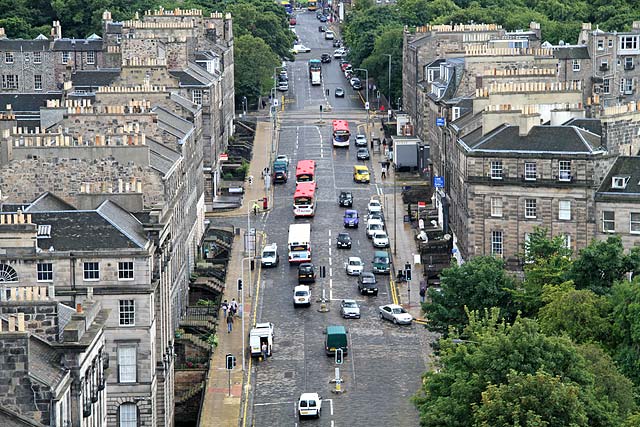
x,y
288,375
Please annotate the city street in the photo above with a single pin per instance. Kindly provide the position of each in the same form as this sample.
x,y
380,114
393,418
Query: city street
x,y
385,361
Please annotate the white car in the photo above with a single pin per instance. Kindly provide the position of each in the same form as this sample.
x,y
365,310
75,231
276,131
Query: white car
x,y
354,266
373,226
301,295
349,308
374,206
270,257
338,53
309,405
361,140
380,239
300,48
395,313
282,158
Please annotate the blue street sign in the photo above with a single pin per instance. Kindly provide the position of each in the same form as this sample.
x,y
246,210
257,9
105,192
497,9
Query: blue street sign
x,y
438,181
440,121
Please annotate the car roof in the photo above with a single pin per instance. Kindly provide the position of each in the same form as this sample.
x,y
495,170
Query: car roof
x,y
391,306
336,330
271,246
354,258
361,168
349,300
306,264
350,211
309,396
363,149
301,288
343,233
381,253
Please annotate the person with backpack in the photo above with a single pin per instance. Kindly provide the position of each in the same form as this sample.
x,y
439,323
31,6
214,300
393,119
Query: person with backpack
x,y
229,323
225,307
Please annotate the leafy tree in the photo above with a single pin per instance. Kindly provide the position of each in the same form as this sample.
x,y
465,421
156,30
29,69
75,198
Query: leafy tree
x,y
388,42
580,314
600,264
531,400
625,301
254,63
477,284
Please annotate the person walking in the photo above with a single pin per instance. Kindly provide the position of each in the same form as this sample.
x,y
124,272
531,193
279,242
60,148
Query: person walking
x,y
225,307
264,349
234,307
229,323
423,290
255,208
384,172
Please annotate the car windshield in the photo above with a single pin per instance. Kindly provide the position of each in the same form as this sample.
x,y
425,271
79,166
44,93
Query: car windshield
x,y
398,310
368,279
355,262
374,203
343,236
350,304
302,293
375,226
380,236
351,215
268,254
306,269
381,259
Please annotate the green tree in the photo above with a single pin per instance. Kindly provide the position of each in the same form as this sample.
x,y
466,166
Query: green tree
x,y
580,314
477,284
531,400
388,42
600,264
625,301
254,63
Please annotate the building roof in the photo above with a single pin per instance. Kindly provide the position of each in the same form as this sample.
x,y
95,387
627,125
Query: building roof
x,y
19,45
627,167
9,418
162,158
31,102
48,202
540,139
172,123
77,44
571,52
94,78
592,125
123,221
44,363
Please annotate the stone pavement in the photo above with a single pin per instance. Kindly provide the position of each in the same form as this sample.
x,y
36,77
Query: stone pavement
x,y
219,408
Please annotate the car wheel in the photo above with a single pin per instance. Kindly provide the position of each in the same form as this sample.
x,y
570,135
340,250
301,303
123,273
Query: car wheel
x,y
395,321
375,294
381,316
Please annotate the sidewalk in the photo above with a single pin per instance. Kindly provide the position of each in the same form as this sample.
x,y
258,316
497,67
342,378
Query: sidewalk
x,y
218,408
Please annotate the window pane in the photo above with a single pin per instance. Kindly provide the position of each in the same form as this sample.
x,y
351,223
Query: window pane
x,y
45,272
564,209
127,364
91,271
128,415
125,270
608,221
127,312
635,222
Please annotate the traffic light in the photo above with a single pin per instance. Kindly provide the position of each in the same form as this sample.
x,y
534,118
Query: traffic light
x,y
321,108
407,271
231,361
239,284
339,356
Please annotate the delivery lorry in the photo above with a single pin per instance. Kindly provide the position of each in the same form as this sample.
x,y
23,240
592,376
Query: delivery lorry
x,y
262,333
405,153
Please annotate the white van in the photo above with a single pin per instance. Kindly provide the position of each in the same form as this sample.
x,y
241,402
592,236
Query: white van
x,y
309,405
270,257
374,225
328,35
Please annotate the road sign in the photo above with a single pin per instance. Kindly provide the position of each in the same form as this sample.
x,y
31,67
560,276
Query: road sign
x,y
422,204
366,105
440,121
438,181
275,102
223,157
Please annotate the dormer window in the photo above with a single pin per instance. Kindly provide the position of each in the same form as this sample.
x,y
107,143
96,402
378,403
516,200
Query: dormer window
x,y
619,182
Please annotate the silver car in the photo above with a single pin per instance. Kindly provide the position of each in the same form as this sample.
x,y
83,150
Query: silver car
x,y
349,308
395,313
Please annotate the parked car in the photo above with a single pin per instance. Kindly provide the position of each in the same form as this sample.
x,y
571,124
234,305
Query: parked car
x,y
395,313
283,86
349,308
363,154
323,18
344,65
337,43
343,240
301,295
350,218
338,53
270,257
357,85
354,266
361,174
380,239
328,35
339,92
345,199
361,140
325,58
367,284
282,158
373,226
374,205
374,215
306,273
292,21
322,28
300,48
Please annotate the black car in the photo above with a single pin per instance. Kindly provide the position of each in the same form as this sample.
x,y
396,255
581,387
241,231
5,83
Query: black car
x,y
345,199
337,43
344,240
325,58
306,273
367,284
280,175
362,154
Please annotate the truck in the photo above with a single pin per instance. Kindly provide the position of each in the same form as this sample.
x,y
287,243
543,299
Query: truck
x,y
405,152
262,333
314,65
316,77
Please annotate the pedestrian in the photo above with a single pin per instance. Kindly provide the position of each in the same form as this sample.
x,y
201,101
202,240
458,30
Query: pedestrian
x,y
384,172
225,307
229,323
250,179
255,208
234,306
423,290
264,349
264,104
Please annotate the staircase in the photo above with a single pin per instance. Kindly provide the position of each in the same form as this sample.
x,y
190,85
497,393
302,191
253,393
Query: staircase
x,y
213,284
206,325
188,394
195,340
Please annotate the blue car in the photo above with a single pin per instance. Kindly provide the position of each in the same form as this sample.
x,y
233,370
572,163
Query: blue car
x,y
351,218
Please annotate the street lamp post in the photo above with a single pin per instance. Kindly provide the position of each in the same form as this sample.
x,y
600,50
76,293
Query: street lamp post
x,y
242,304
245,107
389,96
366,73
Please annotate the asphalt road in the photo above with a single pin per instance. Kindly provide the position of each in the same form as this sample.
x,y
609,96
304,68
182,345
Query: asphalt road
x,y
385,362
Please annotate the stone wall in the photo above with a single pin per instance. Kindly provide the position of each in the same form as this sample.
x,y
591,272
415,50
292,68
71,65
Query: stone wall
x,y
41,317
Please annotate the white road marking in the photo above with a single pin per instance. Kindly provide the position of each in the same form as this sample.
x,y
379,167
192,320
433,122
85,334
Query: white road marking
x,y
330,283
330,294
329,233
330,406
330,272
329,251
272,403
329,262
332,424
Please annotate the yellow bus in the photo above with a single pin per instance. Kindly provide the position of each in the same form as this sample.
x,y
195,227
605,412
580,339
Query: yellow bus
x,y
312,5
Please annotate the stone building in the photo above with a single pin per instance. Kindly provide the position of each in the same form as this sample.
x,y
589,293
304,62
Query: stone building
x,y
618,202
52,357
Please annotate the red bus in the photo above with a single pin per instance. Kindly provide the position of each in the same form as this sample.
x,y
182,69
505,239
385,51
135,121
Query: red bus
x,y
341,133
306,171
304,199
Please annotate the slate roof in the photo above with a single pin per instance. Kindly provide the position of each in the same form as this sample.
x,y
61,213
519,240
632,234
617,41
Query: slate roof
x,y
48,202
592,125
186,79
171,123
44,362
162,158
17,45
540,139
77,44
108,227
30,102
8,418
624,166
95,78
571,52
185,103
